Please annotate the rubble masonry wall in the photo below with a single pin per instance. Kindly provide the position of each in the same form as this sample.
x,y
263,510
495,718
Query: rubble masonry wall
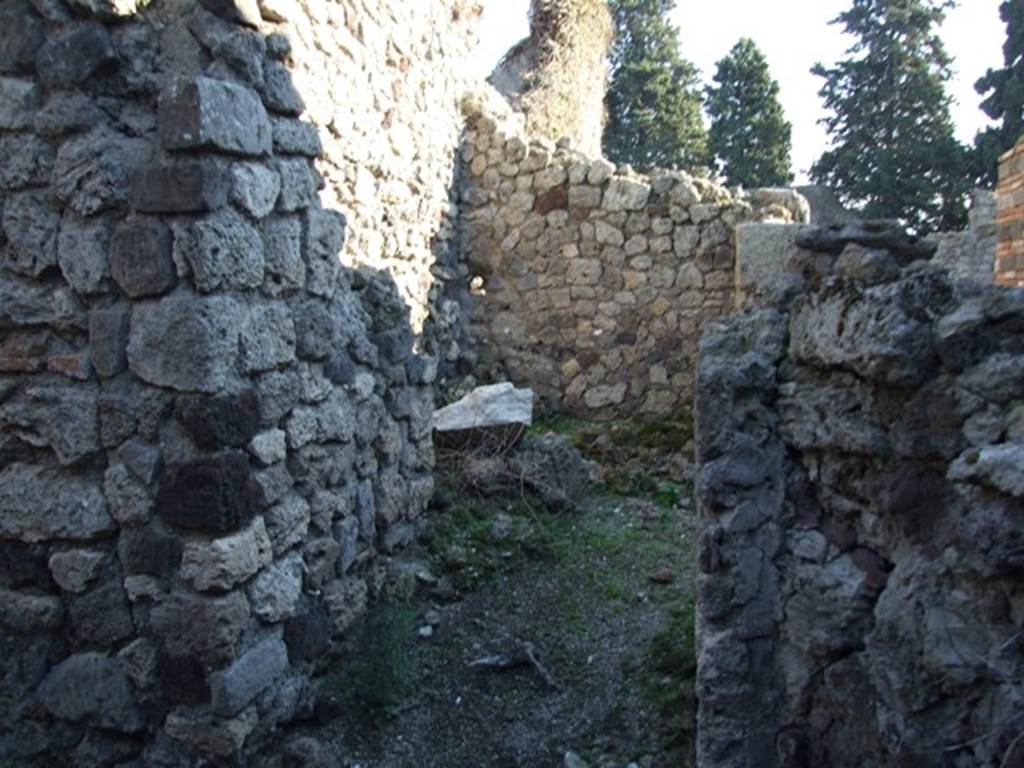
x,y
861,492
593,283
212,434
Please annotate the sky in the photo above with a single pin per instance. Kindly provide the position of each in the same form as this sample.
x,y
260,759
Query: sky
x,y
794,35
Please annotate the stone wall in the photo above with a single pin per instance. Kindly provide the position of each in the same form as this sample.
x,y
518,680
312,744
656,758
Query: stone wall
x,y
861,492
381,81
971,254
1010,202
592,284
211,430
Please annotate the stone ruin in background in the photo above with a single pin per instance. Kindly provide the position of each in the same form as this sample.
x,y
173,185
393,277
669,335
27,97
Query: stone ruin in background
x,y
592,283
557,77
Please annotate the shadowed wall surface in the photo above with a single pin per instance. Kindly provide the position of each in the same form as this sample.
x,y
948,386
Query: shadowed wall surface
x,y
214,434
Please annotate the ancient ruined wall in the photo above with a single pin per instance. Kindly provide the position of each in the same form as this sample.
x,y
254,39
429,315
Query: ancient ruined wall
x,y
593,285
558,76
209,429
382,83
1010,203
861,490
971,254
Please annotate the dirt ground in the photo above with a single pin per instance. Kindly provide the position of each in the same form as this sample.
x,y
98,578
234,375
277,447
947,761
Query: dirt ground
x,y
603,595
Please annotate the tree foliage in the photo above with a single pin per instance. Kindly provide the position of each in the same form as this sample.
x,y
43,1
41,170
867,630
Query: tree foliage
x,y
1005,100
749,135
654,98
892,149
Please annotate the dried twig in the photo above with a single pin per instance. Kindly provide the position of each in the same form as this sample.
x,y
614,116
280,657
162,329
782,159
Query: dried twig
x,y
1011,749
522,656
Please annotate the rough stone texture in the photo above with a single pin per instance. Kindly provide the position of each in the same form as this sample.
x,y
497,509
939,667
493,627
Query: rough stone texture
x,y
367,79
587,283
274,594
185,342
220,564
223,252
30,222
971,254
204,112
861,505
74,54
18,49
236,686
209,627
769,264
130,502
91,172
215,494
18,101
75,569
344,600
82,248
182,187
91,686
37,504
256,188
101,617
186,364
552,466
224,421
62,419
140,258
211,735
308,635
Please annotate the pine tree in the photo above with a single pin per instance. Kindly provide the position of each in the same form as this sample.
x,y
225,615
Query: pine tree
x,y
893,153
749,134
1005,100
654,99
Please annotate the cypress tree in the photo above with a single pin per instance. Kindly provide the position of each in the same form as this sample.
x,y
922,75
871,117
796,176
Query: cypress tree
x,y
893,153
749,136
1005,100
654,98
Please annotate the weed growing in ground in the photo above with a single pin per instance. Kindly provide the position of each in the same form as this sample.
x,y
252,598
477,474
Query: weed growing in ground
x,y
628,453
477,538
383,673
673,657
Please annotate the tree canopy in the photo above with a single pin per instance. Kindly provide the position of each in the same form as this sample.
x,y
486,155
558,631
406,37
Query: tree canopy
x,y
1004,101
749,137
893,152
654,97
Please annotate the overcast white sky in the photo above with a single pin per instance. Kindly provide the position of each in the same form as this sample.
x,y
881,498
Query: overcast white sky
x,y
794,34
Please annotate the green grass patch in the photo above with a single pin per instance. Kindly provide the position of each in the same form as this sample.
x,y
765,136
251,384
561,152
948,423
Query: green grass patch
x,y
638,483
627,451
596,438
382,675
673,659
478,539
